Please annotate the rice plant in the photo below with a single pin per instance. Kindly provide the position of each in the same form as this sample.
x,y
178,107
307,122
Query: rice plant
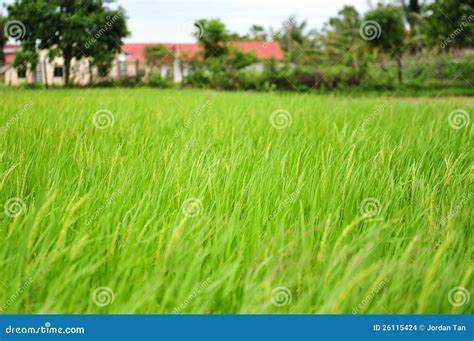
x,y
193,201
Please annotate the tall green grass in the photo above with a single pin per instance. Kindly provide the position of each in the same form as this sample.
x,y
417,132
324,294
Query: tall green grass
x,y
193,202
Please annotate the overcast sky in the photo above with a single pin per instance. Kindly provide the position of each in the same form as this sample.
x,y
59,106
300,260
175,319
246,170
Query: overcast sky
x,y
171,20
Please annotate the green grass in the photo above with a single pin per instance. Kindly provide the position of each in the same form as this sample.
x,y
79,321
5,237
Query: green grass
x,y
272,207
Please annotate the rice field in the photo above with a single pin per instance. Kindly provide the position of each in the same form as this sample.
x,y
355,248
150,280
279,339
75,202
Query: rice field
x,y
193,201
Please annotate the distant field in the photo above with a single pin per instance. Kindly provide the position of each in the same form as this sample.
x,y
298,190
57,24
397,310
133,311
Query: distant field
x,y
162,201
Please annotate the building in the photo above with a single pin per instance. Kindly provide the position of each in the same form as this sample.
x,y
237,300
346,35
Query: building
x,y
131,63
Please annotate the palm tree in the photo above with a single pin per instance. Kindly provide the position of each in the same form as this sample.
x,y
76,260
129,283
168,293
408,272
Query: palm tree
x,y
342,45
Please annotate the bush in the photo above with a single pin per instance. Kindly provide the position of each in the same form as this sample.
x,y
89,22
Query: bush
x,y
423,71
250,80
157,81
130,81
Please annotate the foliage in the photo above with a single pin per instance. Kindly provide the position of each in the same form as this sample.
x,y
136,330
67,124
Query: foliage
x,y
345,58
335,58
212,35
257,33
413,16
26,59
156,81
103,62
449,23
221,63
392,33
72,29
391,37
3,38
426,71
110,26
292,36
158,55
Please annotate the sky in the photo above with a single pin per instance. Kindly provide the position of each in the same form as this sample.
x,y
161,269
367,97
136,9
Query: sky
x,y
172,20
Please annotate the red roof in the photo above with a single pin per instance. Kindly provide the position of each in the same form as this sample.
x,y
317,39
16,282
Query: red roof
x,y
263,50
9,52
136,51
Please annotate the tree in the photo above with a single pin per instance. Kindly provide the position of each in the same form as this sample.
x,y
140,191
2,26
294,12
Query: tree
x,y
71,29
234,36
236,60
291,35
103,62
413,16
3,39
449,23
103,46
159,55
220,62
388,22
212,35
258,33
342,44
25,59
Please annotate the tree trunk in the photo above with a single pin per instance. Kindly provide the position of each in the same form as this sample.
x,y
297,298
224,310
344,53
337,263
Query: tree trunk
x,y
91,73
317,80
137,75
288,37
67,68
45,72
356,67
171,66
398,56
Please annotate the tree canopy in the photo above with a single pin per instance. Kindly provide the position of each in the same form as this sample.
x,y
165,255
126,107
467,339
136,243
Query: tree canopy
x,y
159,55
449,23
212,35
390,32
72,29
350,49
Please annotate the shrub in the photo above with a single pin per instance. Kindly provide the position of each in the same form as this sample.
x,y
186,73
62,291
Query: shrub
x,y
157,81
